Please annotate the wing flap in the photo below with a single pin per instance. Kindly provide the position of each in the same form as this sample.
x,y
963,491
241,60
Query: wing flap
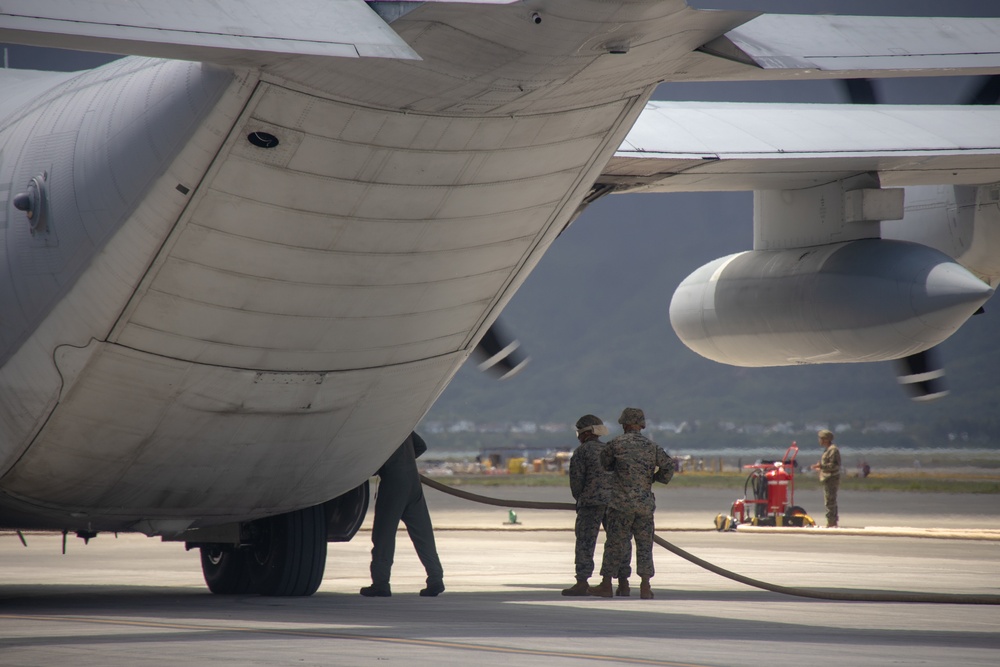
x,y
688,146
862,43
232,32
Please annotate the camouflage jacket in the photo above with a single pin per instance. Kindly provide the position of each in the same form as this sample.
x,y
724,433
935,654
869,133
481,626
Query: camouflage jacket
x,y
636,461
829,463
588,480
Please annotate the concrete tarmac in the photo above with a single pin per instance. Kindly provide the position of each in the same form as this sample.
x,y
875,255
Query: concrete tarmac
x,y
135,600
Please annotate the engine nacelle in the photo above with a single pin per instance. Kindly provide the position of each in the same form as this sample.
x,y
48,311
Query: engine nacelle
x,y
866,300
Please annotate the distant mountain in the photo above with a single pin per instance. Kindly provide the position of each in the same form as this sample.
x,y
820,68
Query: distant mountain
x,y
594,318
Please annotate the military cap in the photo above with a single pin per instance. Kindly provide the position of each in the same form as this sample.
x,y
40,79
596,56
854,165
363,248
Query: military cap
x,y
588,420
632,416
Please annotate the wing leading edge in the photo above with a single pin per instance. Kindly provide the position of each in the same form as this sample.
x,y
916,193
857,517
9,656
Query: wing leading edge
x,y
697,146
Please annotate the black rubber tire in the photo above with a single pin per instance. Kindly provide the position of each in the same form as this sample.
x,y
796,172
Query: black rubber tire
x,y
226,571
795,516
288,554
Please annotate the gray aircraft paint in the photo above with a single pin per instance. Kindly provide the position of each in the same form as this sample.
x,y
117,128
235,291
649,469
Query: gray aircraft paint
x,y
100,161
861,301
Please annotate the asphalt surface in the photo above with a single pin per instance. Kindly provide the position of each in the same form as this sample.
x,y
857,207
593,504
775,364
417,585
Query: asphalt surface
x,y
134,600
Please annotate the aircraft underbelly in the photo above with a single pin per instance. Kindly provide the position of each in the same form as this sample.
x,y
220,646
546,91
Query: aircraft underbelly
x,y
144,436
311,302
364,238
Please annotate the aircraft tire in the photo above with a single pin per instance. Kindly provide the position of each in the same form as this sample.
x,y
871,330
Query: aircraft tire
x,y
288,554
226,571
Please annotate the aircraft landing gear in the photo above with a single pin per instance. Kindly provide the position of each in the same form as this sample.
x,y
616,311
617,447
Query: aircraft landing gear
x,y
282,555
226,571
286,556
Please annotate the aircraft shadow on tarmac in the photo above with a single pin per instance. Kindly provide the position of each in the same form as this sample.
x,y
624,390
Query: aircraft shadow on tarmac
x,y
194,616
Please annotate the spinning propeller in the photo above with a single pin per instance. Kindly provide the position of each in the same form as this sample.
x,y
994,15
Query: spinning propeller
x,y
922,374
500,353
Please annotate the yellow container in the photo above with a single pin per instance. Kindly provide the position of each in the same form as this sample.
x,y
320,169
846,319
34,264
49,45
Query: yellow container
x,y
517,466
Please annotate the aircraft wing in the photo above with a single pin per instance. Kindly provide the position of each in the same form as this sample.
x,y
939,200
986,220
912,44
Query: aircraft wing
x,y
699,146
253,33
233,32
839,43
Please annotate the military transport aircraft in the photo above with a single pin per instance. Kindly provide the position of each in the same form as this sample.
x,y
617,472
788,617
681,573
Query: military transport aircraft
x,y
240,265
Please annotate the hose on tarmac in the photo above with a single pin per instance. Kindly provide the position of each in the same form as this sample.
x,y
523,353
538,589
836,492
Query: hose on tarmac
x,y
824,594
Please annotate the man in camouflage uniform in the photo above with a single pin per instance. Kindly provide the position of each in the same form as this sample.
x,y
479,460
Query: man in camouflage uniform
x,y
591,486
636,462
829,476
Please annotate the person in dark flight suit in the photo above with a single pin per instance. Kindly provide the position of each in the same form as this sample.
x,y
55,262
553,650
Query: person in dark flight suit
x,y
400,496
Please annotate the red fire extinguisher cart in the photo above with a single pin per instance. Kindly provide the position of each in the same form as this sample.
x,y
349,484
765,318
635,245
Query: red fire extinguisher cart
x,y
768,496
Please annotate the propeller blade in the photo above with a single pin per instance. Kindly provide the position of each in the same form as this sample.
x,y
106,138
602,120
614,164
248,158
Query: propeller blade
x,y
500,353
988,91
922,375
861,91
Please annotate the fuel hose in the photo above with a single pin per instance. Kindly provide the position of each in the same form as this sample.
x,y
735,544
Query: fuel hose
x,y
821,594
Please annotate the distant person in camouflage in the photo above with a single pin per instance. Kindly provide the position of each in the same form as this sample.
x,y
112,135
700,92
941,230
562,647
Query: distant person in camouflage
x,y
829,476
591,487
636,462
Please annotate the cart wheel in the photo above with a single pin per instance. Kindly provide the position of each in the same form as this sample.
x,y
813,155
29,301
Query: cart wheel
x,y
796,516
725,524
794,510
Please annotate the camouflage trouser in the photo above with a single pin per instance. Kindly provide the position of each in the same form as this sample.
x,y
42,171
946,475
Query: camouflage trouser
x,y
830,486
588,522
621,528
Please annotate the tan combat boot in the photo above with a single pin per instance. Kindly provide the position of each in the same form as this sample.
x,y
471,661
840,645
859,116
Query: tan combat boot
x,y
645,592
623,588
578,589
603,590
